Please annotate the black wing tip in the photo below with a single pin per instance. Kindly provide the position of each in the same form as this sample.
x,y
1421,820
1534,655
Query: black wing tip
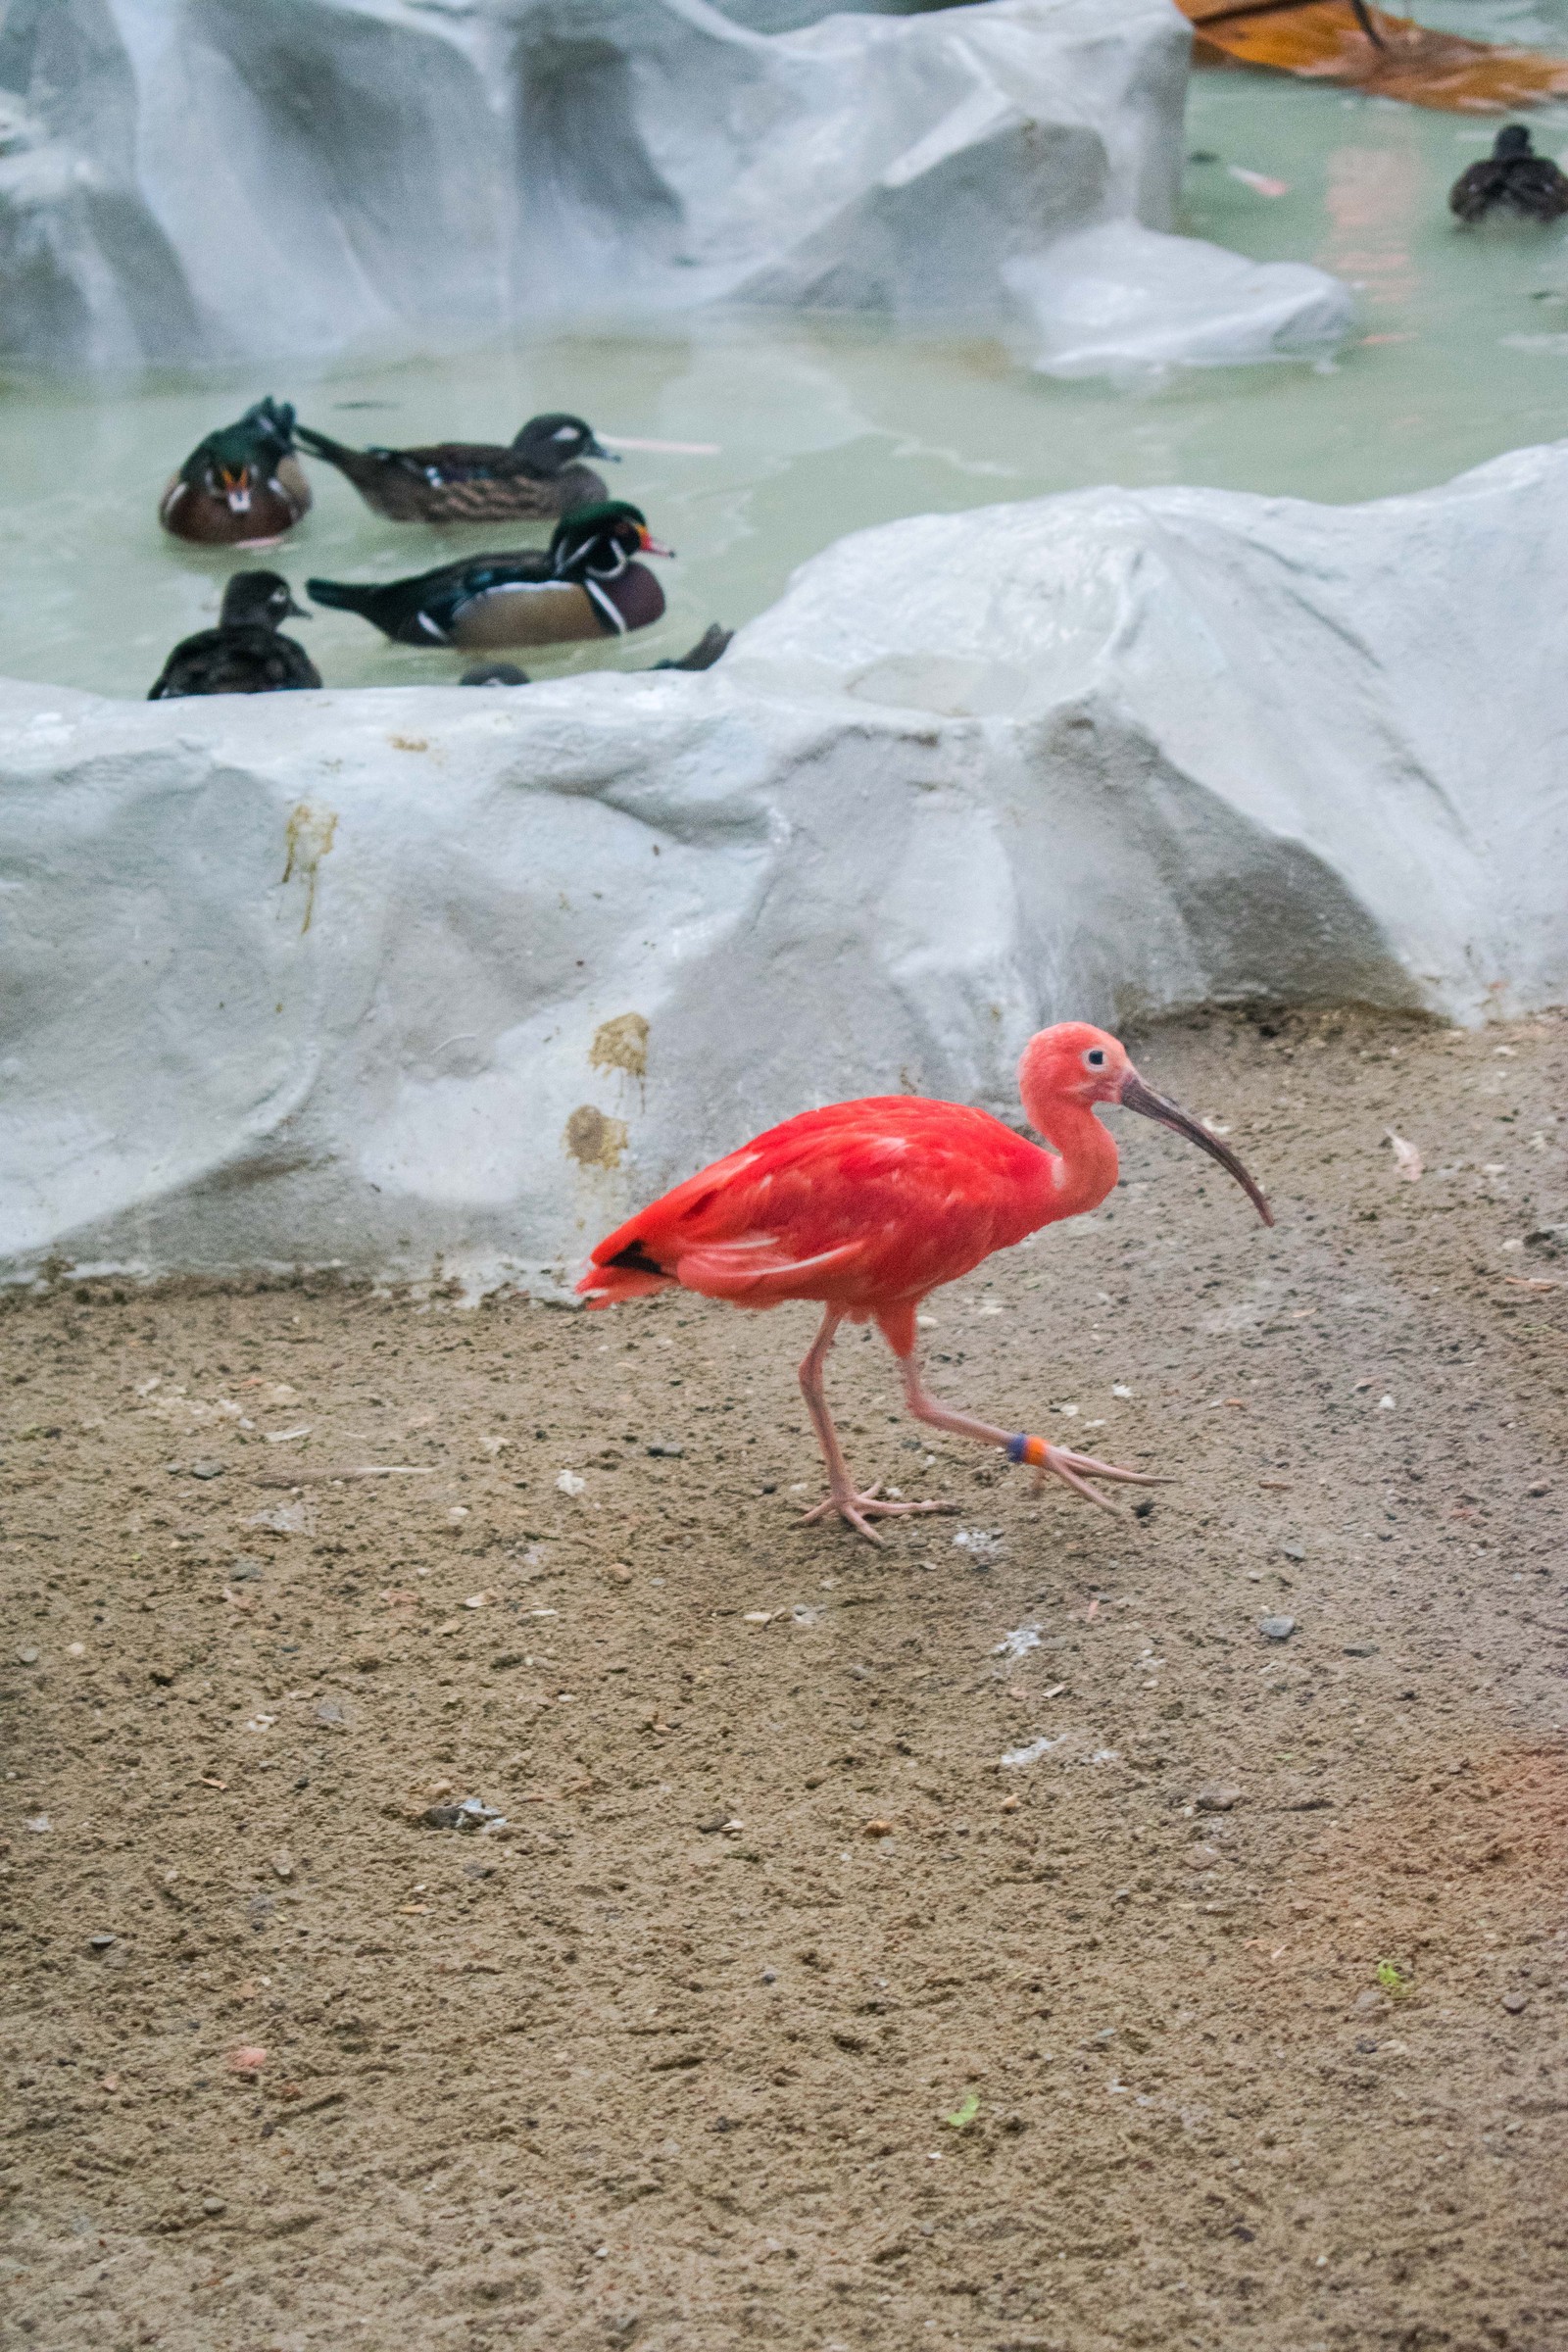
x,y
633,1260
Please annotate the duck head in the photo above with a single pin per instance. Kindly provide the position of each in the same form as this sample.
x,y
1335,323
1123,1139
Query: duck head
x,y
234,463
258,600
1511,142
549,444
599,541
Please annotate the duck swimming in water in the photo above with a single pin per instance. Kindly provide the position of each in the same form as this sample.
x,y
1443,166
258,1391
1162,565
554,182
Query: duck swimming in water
x,y
242,486
703,654
540,476
1512,179
244,653
587,583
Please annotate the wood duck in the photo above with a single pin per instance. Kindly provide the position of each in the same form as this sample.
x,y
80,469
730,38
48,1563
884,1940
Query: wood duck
x,y
244,653
242,486
703,654
1513,177
586,583
541,475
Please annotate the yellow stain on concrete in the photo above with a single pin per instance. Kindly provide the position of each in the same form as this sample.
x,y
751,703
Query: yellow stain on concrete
x,y
594,1140
621,1045
308,834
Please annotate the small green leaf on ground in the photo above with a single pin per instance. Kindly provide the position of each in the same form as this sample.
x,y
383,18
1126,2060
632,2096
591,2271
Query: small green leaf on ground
x,y
1393,1979
965,2113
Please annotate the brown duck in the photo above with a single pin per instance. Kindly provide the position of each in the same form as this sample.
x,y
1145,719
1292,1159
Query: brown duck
x,y
245,654
587,583
242,486
540,476
1512,179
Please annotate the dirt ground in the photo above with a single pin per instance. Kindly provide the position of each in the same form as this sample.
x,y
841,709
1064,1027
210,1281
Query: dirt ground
x,y
783,2009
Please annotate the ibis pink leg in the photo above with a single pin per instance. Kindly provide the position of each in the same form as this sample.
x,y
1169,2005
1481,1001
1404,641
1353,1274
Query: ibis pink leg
x,y
843,1495
1050,1461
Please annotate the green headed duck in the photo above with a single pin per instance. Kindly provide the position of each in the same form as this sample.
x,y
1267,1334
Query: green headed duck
x,y
242,486
587,583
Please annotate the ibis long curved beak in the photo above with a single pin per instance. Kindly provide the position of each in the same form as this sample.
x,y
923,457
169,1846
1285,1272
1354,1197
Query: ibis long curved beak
x,y
1136,1095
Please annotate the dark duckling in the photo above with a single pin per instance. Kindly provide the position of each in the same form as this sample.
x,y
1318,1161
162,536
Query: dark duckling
x,y
540,476
586,583
242,486
703,654
1514,177
244,653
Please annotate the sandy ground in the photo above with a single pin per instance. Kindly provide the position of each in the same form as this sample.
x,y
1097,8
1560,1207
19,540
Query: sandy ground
x,y
782,2010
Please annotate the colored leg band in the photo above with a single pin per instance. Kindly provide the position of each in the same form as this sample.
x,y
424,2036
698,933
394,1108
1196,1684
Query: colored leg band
x,y
1026,1448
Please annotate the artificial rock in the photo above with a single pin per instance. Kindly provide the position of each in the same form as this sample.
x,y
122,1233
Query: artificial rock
x,y
416,982
236,181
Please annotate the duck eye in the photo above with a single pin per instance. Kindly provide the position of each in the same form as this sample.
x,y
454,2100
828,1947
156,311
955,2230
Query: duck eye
x,y
1096,1057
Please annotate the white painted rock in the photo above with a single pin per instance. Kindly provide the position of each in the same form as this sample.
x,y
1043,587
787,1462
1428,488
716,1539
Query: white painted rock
x,y
255,179
1127,302
419,980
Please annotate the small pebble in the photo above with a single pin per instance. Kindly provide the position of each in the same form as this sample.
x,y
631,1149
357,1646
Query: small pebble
x,y
27,1655
208,1469
1276,1629
1369,2000
878,1829
666,1452
213,2205
712,1822
1217,1797
99,1944
39,1823
283,1863
1293,1551
1513,2002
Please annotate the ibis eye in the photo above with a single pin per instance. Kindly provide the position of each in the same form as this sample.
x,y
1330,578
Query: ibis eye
x,y
1096,1057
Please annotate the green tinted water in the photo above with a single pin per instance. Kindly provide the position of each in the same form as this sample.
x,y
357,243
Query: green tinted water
x,y
824,426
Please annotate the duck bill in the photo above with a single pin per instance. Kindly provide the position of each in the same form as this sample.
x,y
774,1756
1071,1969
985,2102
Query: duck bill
x,y
655,547
595,448
1136,1095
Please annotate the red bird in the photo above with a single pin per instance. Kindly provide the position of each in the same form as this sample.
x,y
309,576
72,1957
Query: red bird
x,y
869,1206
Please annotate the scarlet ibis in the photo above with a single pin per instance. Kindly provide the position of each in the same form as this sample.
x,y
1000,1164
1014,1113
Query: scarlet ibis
x,y
869,1206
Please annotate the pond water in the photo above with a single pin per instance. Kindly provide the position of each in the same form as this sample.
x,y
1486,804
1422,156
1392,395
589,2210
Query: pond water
x,y
825,426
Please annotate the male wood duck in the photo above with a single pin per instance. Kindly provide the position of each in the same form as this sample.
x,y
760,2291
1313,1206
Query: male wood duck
x,y
1512,179
244,653
586,583
703,654
541,475
242,486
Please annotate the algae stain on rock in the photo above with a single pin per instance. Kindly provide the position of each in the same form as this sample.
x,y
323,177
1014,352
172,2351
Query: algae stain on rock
x,y
621,1045
593,1140
309,835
